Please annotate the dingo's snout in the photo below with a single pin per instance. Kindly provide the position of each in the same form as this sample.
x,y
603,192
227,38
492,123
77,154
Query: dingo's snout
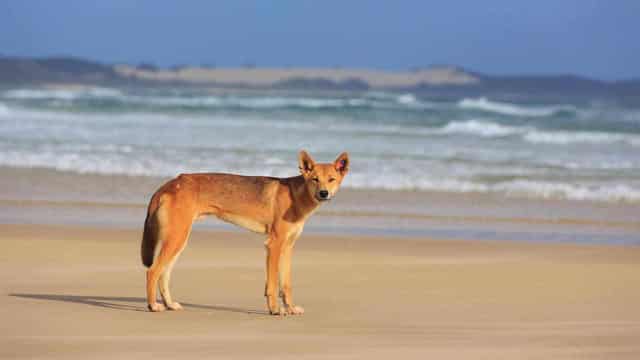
x,y
323,195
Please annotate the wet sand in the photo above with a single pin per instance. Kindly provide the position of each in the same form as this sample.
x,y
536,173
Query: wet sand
x,y
41,196
76,292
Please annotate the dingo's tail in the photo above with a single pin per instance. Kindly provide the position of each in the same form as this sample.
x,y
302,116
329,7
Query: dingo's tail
x,y
150,233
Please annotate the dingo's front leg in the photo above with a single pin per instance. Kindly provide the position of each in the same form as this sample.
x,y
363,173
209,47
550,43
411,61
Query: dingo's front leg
x,y
274,248
285,283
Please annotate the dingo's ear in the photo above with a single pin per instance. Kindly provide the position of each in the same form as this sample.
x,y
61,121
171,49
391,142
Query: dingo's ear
x,y
305,162
342,163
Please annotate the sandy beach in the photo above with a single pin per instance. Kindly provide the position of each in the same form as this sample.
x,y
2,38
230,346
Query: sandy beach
x,y
74,292
380,274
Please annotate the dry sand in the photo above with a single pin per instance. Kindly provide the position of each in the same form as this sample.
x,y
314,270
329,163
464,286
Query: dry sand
x,y
77,293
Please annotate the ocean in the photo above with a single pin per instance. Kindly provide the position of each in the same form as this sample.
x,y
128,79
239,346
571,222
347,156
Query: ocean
x,y
578,149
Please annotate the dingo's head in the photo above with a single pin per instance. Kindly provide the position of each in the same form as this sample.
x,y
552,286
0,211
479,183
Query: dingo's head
x,y
323,180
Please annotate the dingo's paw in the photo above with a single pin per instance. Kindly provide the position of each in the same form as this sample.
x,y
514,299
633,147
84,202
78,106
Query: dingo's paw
x,y
155,307
294,310
273,306
175,306
276,311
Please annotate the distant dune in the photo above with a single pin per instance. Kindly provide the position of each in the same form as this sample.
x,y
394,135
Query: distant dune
x,y
442,80
267,77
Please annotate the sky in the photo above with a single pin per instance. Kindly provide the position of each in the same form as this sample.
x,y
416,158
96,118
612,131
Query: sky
x,y
594,38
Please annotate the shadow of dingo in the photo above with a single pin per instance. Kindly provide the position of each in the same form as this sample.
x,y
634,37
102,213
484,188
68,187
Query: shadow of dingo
x,y
120,303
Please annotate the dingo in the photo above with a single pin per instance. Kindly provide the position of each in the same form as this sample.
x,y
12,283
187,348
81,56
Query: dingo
x,y
277,207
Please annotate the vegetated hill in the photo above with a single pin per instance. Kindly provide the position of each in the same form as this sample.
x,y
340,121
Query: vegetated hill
x,y
550,85
15,70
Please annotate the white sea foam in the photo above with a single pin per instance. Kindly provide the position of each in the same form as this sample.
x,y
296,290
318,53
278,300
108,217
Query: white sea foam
x,y
556,190
128,160
406,99
532,135
4,110
399,182
65,96
245,102
516,188
60,94
505,108
102,92
576,137
409,101
481,128
275,102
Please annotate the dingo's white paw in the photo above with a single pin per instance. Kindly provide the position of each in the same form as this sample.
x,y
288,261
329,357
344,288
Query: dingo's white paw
x,y
294,310
175,306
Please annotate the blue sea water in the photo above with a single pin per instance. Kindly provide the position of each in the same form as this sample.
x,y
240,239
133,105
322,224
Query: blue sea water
x,y
586,149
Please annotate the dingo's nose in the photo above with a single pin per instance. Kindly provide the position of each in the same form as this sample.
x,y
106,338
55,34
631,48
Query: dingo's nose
x,y
324,194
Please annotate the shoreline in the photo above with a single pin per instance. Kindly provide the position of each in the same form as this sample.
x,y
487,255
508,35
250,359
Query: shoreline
x,y
41,196
56,179
631,225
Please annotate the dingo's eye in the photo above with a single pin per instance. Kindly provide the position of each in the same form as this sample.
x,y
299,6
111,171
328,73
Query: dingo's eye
x,y
315,179
332,179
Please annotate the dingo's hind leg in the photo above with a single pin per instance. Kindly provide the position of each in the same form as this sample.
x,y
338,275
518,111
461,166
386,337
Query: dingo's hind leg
x,y
173,235
165,279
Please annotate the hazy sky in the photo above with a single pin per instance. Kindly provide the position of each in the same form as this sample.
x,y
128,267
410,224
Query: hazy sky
x,y
587,37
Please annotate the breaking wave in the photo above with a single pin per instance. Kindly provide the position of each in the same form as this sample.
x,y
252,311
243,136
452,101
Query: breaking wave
x,y
481,128
537,136
556,190
4,110
399,141
567,138
183,100
124,160
62,94
504,108
514,188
